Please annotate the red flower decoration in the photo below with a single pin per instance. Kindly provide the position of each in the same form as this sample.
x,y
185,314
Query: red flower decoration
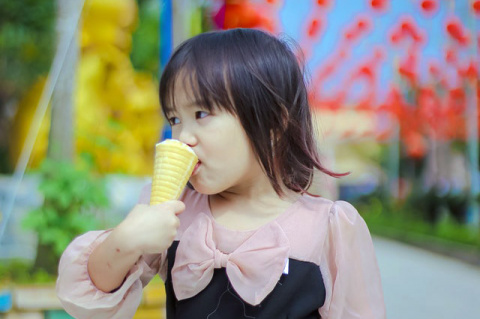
x,y
415,145
363,24
470,71
351,34
455,101
407,68
378,4
409,28
476,7
395,37
429,6
406,28
393,103
243,14
428,105
314,28
433,69
323,3
354,31
451,56
327,69
457,94
456,30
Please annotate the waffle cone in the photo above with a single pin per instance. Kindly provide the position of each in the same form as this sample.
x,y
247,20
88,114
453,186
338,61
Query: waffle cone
x,y
174,163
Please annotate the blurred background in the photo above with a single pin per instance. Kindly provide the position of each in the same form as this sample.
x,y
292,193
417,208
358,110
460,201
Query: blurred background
x,y
393,87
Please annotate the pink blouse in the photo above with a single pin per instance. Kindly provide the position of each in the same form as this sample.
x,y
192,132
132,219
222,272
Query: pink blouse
x,y
329,234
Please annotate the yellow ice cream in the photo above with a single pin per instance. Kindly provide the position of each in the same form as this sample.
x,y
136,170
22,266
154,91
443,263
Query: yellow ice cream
x,y
174,163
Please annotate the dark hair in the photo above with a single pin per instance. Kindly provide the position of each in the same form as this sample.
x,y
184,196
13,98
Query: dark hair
x,y
256,77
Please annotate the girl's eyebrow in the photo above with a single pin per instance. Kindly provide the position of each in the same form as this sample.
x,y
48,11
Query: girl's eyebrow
x,y
168,110
193,104
197,104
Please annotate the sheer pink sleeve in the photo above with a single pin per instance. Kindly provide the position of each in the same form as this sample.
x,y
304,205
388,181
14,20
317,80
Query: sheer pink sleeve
x,y
350,269
82,299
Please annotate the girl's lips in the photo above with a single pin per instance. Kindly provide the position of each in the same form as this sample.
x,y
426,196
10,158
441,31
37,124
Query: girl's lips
x,y
195,169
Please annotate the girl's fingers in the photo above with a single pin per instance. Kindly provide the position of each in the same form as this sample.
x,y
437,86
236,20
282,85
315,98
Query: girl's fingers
x,y
173,205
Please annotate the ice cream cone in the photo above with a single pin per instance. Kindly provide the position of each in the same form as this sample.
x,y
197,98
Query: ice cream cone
x,y
174,163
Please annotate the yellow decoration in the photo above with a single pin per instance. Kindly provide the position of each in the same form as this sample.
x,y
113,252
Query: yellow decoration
x,y
22,122
117,113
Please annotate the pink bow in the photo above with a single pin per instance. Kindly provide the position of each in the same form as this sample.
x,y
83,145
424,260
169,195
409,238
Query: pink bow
x,y
253,269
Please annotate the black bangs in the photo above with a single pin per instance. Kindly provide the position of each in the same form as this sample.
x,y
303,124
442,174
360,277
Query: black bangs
x,y
200,66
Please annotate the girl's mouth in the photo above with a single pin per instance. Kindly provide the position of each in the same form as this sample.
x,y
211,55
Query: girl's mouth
x,y
195,169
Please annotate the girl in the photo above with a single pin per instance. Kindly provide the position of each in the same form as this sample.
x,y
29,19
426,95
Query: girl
x,y
246,240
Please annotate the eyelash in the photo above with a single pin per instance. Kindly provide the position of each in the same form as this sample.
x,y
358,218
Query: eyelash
x,y
198,116
171,120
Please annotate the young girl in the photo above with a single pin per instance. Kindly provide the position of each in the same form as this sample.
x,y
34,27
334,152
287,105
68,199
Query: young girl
x,y
246,240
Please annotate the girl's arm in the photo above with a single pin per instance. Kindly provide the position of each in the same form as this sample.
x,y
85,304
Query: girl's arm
x,y
110,262
350,270
82,299
146,230
142,239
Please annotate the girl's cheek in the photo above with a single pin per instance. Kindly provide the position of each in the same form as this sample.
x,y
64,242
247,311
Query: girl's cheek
x,y
175,132
205,121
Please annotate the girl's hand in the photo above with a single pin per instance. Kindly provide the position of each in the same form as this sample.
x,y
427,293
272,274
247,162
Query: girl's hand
x,y
149,229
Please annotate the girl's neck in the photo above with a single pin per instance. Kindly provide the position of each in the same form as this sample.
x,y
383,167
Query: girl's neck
x,y
250,207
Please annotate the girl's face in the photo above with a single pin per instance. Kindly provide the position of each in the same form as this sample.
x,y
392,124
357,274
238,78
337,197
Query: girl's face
x,y
226,159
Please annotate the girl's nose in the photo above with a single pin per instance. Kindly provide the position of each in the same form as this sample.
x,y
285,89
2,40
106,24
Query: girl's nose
x,y
188,137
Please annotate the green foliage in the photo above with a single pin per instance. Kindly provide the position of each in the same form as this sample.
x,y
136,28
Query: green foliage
x,y
411,219
71,197
19,271
145,53
27,40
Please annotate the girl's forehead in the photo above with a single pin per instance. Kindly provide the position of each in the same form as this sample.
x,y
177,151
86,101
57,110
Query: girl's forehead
x,y
185,98
189,85
179,91
185,85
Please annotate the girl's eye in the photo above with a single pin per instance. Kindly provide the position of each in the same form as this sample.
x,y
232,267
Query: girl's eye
x,y
201,114
173,120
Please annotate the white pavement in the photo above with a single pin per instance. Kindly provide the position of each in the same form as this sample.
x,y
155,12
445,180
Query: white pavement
x,y
419,284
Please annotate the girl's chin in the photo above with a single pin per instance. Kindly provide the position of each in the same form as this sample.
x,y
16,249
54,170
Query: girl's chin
x,y
203,189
